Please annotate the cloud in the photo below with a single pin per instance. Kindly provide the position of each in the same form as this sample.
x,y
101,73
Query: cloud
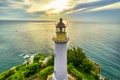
x,y
54,7
107,7
94,6
74,11
47,6
11,4
36,5
2,4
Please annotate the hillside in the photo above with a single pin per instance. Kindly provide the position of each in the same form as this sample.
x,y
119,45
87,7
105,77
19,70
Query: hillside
x,y
41,67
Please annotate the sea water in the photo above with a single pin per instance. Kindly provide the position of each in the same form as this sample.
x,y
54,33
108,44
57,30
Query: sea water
x,y
100,41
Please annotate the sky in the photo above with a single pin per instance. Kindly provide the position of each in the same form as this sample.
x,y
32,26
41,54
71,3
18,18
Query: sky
x,y
75,10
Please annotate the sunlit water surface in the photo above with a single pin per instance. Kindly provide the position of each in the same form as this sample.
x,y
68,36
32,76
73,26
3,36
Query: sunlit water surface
x,y
100,41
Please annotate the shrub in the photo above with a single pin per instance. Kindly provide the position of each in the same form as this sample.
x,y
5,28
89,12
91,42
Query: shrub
x,y
36,59
86,66
106,78
50,62
20,67
74,72
43,74
6,74
75,56
96,77
31,69
17,76
2,76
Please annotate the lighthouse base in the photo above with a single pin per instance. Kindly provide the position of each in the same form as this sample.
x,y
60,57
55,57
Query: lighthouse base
x,y
54,78
69,77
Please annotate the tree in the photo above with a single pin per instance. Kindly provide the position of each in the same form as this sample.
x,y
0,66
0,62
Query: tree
x,y
75,56
17,76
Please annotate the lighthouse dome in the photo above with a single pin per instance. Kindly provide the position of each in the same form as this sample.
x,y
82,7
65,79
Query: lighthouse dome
x,y
60,24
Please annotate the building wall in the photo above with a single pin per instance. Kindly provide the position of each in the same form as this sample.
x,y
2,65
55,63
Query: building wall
x,y
60,63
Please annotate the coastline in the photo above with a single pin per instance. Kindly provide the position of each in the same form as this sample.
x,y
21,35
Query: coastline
x,y
45,62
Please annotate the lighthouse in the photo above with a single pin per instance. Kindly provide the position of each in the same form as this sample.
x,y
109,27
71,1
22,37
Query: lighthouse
x,y
60,52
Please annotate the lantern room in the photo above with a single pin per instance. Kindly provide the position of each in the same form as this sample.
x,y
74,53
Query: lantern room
x,y
60,32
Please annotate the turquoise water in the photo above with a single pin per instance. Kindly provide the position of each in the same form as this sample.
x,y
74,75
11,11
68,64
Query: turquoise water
x,y
100,41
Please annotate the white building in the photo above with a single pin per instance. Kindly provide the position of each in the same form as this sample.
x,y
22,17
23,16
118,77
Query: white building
x,y
60,61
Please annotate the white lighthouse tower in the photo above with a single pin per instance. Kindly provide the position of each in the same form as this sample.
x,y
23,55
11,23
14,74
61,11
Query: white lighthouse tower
x,y
60,52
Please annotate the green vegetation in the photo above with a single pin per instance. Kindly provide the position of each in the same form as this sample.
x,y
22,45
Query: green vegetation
x,y
30,69
106,78
39,58
17,76
77,57
79,66
50,62
6,74
43,74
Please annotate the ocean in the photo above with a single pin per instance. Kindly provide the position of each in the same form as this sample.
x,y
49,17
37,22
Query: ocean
x,y
100,41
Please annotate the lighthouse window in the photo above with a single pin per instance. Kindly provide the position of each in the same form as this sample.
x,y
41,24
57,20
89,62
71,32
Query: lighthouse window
x,y
58,29
62,29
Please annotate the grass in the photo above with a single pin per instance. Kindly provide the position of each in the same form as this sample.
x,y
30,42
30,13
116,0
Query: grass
x,y
79,66
79,75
